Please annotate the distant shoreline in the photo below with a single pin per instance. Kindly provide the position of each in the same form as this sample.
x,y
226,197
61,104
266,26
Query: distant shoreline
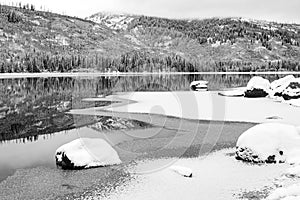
x,y
97,74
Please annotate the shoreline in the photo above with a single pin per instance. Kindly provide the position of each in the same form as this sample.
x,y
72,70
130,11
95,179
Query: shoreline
x,y
99,74
177,139
191,140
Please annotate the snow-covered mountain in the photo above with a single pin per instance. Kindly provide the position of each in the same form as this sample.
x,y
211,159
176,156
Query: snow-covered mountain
x,y
112,20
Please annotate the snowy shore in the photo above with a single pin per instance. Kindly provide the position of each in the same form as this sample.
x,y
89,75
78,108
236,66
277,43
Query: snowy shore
x,y
207,106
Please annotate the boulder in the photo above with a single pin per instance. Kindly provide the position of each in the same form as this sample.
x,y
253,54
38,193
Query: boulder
x,y
278,86
199,85
293,90
86,153
268,143
257,87
232,93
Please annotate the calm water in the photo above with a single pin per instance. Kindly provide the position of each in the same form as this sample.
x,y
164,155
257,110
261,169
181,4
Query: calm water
x,y
33,117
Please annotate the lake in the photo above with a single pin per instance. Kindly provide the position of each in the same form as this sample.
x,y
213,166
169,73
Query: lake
x,y
34,118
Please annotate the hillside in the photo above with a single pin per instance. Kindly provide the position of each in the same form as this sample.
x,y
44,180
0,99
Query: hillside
x,y
34,41
217,44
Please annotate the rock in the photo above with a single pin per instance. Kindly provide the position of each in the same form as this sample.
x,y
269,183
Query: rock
x,y
278,86
86,153
232,93
199,85
257,87
268,143
255,93
293,90
183,171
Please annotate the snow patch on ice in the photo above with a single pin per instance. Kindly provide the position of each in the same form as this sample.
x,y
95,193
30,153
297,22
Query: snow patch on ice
x,y
183,171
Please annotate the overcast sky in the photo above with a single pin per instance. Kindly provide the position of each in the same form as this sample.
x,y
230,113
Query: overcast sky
x,y
272,10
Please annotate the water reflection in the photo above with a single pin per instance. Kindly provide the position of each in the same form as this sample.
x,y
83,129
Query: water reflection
x,y
30,107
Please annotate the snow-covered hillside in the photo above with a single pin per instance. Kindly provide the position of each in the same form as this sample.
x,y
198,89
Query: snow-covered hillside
x,y
111,20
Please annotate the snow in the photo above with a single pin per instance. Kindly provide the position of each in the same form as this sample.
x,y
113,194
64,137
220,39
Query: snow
x,y
196,83
294,90
278,86
183,171
199,85
216,176
270,139
232,93
286,193
258,82
204,106
266,140
113,21
293,102
288,186
293,171
86,152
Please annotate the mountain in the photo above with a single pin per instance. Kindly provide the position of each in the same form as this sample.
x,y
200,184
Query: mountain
x,y
112,20
216,44
35,41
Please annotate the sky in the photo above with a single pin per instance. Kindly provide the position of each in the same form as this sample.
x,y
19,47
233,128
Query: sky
x,y
271,10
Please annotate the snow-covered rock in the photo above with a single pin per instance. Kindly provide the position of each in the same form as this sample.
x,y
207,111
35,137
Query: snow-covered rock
x,y
86,153
269,142
293,90
183,171
232,93
199,85
278,86
257,87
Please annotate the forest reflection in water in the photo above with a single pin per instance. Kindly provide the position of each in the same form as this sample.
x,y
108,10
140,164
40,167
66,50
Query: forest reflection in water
x,y
30,107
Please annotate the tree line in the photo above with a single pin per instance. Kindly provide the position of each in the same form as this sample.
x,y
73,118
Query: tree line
x,y
223,30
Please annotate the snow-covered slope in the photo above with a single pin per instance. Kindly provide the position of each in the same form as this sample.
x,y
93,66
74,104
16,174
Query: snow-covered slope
x,y
113,21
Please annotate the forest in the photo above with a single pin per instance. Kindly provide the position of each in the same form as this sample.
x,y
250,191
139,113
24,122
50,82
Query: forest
x,y
37,41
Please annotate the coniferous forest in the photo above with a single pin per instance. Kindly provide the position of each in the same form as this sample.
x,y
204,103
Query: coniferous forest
x,y
41,41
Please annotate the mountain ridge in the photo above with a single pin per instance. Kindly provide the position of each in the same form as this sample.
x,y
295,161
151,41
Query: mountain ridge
x,y
43,41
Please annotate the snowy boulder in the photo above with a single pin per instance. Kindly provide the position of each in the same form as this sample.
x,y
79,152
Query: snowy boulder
x,y
257,87
232,93
86,153
278,86
199,85
293,90
183,171
268,143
